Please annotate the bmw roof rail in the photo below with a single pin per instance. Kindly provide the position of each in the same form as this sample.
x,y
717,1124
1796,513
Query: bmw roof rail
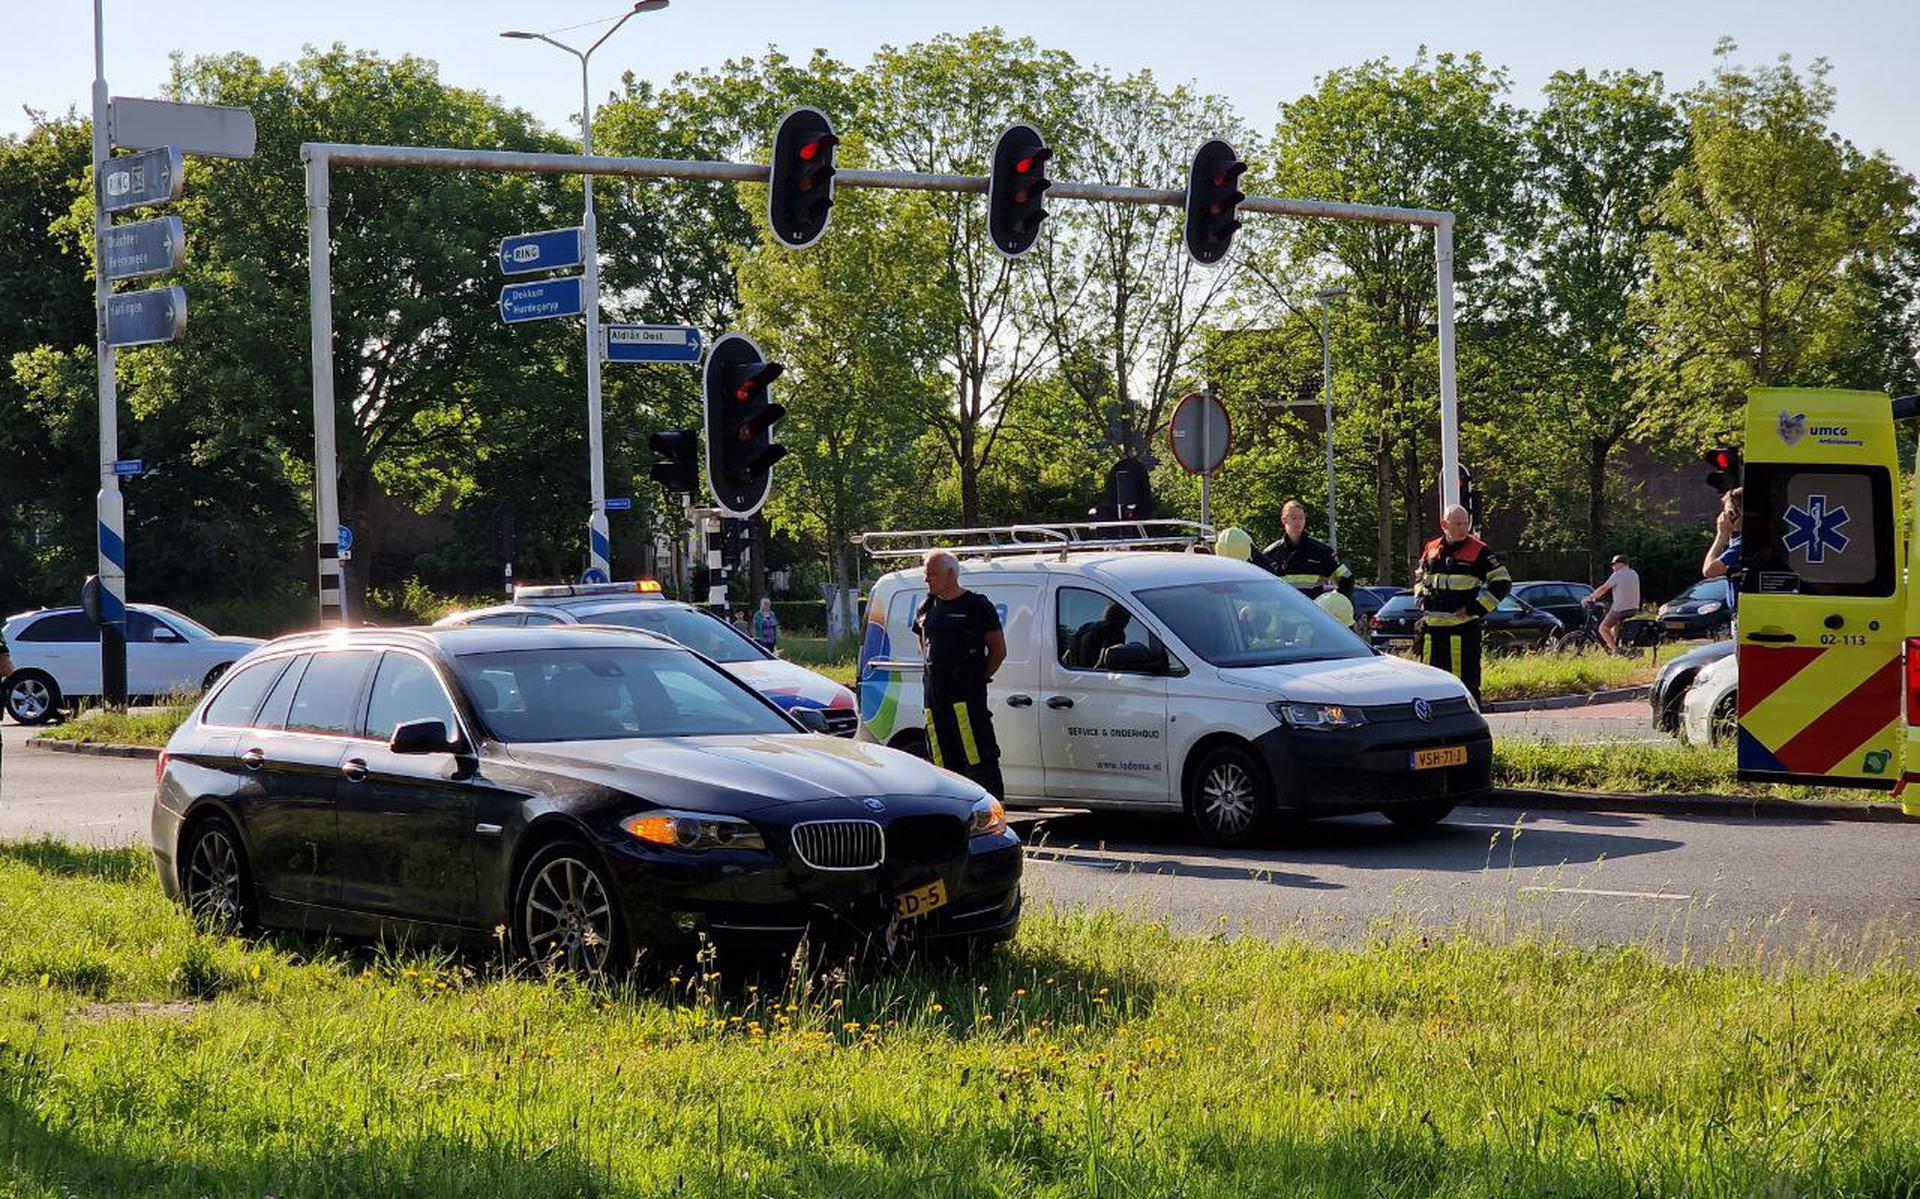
x,y
1003,540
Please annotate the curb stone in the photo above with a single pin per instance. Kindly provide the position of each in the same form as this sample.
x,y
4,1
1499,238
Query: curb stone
x,y
93,750
1554,703
1735,807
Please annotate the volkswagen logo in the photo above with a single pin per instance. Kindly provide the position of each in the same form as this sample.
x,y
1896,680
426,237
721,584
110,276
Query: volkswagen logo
x,y
1423,710
875,805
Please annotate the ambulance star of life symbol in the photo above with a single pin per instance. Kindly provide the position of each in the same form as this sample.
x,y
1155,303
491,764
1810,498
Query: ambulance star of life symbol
x,y
1423,709
1816,530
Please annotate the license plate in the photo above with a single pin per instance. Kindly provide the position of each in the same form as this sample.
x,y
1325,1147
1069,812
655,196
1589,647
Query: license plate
x,y
920,900
1429,759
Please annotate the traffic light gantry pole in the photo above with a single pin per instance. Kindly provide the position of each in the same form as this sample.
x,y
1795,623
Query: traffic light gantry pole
x,y
321,157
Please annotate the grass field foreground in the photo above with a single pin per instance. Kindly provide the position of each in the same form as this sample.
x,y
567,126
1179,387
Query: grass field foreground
x,y
1099,1056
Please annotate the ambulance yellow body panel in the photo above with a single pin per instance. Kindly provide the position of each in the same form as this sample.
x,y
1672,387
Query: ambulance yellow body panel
x,y
1823,611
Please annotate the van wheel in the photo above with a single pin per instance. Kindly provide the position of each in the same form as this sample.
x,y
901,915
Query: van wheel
x,y
32,697
914,743
1230,798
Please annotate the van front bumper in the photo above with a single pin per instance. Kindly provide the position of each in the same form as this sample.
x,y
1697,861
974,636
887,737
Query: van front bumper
x,y
1371,767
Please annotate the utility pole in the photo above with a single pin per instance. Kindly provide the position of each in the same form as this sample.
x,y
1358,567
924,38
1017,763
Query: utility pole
x,y
110,511
1326,398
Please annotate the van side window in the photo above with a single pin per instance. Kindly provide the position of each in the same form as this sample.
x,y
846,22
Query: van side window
x,y
904,645
1087,623
1015,603
1825,530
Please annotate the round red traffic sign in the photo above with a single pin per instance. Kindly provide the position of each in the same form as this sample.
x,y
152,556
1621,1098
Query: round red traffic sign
x,y
1200,433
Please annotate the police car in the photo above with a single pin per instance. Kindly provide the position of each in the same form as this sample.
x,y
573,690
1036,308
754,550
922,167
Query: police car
x,y
1141,675
640,605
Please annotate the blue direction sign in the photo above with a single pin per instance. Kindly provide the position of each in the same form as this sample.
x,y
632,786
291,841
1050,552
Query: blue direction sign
x,y
593,574
539,301
620,504
129,466
149,177
553,250
145,247
651,343
138,318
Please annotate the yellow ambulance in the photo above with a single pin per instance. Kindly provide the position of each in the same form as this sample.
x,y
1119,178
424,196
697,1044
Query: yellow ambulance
x,y
1828,638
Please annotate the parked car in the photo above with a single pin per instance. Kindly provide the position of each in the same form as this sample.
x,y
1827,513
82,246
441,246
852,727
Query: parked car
x,y
56,658
785,683
1226,695
601,793
1513,625
1702,610
1563,599
1366,602
1671,684
1710,709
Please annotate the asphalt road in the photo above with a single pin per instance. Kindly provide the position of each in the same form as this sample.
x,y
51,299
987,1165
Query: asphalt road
x,y
1697,886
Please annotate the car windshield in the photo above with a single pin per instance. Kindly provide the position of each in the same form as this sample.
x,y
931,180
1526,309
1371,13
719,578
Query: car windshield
x,y
695,630
1252,622
187,626
603,693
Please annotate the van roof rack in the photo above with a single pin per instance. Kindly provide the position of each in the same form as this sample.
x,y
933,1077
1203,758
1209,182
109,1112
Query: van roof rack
x,y
989,541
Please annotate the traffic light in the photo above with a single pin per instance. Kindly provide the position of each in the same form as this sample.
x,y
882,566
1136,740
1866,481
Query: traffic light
x,y
1213,195
1724,463
679,466
740,418
1016,190
800,186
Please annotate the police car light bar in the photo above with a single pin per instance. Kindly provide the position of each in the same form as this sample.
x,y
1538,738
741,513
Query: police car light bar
x,y
562,590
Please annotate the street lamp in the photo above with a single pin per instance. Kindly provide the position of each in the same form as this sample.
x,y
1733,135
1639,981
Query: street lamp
x,y
1326,398
599,545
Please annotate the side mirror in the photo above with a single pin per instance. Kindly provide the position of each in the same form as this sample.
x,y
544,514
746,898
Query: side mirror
x,y
1133,658
168,637
811,719
422,737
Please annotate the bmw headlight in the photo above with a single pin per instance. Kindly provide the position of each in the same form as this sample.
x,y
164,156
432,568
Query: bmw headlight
x,y
988,817
693,832
1317,716
1709,608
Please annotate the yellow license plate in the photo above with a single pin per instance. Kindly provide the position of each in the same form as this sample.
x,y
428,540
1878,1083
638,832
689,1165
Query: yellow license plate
x,y
920,900
1429,759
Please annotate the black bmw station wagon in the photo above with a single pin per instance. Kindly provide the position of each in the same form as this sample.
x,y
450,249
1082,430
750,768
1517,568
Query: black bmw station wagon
x,y
604,794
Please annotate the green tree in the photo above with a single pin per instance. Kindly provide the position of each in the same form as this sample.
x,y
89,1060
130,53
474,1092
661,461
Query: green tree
x,y
1436,133
1601,149
1778,242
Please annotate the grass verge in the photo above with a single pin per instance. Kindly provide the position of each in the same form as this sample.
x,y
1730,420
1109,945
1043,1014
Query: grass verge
x,y
1098,1056
818,654
104,726
1657,769
1540,675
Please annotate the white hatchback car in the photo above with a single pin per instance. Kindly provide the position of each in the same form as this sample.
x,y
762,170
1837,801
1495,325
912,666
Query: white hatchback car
x,y
56,658
1153,680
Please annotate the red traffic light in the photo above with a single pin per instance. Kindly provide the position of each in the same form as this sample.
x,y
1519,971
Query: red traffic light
x,y
755,379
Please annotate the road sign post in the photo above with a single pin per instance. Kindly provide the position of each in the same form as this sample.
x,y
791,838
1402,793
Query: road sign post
x,y
142,318
211,129
141,248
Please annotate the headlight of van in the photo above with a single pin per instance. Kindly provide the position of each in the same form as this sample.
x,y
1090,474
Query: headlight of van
x,y
1317,716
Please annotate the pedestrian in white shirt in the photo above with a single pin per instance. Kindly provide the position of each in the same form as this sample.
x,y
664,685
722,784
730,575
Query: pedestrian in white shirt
x,y
1623,590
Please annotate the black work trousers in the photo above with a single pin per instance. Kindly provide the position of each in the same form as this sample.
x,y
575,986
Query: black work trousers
x,y
960,737
1456,650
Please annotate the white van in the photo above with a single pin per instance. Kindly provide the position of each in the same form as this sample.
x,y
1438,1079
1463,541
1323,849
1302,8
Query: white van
x,y
1142,677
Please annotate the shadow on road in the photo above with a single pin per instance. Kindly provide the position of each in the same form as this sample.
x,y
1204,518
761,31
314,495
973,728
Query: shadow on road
x,y
1471,841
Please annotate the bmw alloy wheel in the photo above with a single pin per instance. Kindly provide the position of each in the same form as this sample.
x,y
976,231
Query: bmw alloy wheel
x,y
216,881
567,918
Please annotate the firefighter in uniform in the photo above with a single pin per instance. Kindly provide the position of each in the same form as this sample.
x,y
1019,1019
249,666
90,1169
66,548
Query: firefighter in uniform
x,y
963,645
1458,582
1307,562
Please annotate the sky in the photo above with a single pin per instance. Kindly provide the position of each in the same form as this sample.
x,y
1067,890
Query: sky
x,y
1256,54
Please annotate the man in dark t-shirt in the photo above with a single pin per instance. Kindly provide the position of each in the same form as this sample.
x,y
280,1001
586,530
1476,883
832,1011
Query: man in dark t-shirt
x,y
963,644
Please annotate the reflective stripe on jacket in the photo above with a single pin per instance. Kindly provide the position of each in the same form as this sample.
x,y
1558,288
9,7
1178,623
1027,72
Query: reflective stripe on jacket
x,y
1460,583
1306,564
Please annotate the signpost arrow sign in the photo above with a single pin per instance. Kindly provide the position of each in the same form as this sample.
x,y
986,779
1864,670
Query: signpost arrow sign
x,y
553,250
129,466
539,301
138,318
619,503
189,128
145,248
150,177
651,343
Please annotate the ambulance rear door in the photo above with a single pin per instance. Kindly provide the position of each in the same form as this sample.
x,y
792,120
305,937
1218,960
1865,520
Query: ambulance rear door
x,y
1822,602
